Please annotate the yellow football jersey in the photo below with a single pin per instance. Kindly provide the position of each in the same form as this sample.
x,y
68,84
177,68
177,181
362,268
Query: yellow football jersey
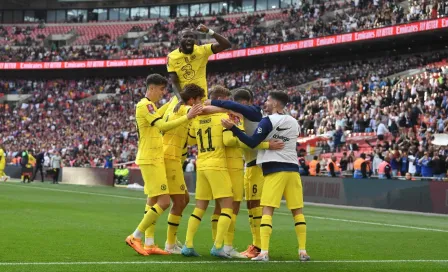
x,y
234,153
150,124
207,132
2,158
190,68
175,140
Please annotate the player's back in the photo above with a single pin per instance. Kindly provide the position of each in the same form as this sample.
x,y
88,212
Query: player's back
x,y
175,139
208,131
150,143
190,68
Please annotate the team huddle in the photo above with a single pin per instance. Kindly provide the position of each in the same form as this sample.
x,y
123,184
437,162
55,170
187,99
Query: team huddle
x,y
240,154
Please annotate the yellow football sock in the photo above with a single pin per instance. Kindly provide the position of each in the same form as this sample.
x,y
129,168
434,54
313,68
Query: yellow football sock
x,y
228,239
215,218
265,231
193,225
300,227
252,229
173,225
257,213
223,226
149,233
150,217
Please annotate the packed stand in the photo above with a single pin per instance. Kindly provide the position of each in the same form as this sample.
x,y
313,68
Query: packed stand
x,y
301,21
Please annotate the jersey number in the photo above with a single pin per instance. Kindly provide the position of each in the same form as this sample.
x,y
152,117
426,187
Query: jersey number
x,y
254,189
210,147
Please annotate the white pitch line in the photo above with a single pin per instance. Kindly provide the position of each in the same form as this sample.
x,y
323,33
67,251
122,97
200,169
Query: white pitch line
x,y
281,213
217,262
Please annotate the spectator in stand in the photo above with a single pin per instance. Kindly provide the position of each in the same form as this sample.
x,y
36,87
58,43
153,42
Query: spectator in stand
x,y
332,168
381,130
426,165
56,164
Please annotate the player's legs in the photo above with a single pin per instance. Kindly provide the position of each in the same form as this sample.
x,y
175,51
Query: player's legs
x,y
274,186
253,186
156,187
215,218
222,192
203,196
237,178
294,200
176,185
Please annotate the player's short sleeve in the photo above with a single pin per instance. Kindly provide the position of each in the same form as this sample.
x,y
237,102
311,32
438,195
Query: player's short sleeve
x,y
207,49
149,111
169,64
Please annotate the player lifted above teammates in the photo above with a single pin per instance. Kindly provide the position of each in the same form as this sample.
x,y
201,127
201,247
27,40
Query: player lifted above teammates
x,y
280,170
188,63
253,177
150,157
174,142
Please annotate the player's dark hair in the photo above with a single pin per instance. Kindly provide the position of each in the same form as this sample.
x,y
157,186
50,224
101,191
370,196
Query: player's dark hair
x,y
315,158
156,79
219,91
280,96
192,91
243,94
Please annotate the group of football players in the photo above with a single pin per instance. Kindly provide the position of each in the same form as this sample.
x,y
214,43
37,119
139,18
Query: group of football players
x,y
241,153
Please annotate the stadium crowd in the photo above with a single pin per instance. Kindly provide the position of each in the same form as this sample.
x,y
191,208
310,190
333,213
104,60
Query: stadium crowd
x,y
91,133
301,21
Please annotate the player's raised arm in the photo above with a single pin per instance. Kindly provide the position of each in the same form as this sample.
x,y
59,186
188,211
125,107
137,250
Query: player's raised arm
x,y
262,131
223,43
176,85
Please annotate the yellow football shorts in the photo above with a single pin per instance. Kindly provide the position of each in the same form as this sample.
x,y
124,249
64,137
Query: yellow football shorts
x,y
155,180
213,184
253,182
175,177
287,184
237,178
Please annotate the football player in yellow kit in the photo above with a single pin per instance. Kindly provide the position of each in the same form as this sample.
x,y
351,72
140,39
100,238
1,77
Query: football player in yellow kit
x,y
174,142
150,157
188,63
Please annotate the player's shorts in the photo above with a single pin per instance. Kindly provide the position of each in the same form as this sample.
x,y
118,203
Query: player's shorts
x,y
213,184
287,184
2,173
155,180
175,177
237,178
253,182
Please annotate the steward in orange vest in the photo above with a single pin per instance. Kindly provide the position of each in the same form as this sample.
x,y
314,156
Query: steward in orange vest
x,y
332,168
314,166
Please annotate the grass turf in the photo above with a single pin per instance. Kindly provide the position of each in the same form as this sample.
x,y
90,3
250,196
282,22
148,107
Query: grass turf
x,y
46,227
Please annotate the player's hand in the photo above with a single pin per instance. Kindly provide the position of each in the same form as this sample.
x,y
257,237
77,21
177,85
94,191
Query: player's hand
x,y
207,102
194,111
232,113
202,28
227,123
177,107
276,144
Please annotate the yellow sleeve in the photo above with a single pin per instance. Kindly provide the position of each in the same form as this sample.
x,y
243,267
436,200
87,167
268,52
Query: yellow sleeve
x,y
169,65
155,119
166,126
207,49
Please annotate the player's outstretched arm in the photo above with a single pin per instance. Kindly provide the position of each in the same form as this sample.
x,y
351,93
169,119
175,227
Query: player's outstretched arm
x,y
164,126
262,131
252,113
232,141
223,43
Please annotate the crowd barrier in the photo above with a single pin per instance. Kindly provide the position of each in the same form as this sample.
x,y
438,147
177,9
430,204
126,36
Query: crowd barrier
x,y
419,196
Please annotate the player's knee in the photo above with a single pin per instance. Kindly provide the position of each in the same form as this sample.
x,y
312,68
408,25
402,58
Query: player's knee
x,y
297,211
164,201
236,207
187,199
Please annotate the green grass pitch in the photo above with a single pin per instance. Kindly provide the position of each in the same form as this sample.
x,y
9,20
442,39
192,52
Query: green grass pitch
x,y
46,227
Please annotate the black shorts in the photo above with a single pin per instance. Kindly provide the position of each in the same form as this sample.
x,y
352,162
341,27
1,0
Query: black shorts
x,y
381,137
